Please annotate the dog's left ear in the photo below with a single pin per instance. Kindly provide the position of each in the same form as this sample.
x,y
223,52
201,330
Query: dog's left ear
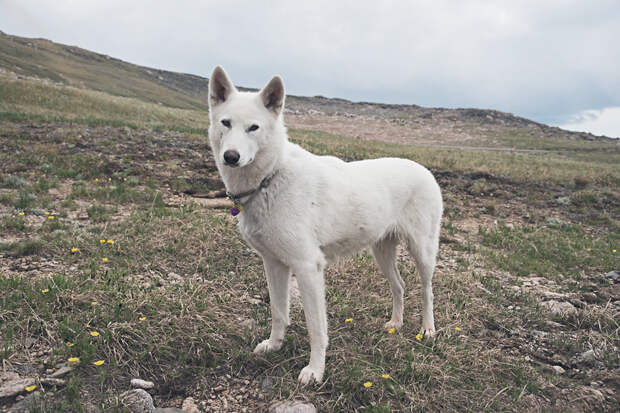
x,y
272,95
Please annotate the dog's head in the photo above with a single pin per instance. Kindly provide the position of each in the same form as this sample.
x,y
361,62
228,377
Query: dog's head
x,y
242,122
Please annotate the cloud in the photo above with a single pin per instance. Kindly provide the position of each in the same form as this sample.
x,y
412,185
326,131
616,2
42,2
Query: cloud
x,y
543,60
598,122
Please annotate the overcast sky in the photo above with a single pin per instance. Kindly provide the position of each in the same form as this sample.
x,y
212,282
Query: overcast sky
x,y
553,61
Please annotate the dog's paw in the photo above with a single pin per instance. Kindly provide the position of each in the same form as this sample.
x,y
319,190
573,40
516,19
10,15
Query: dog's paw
x,y
309,374
392,324
428,331
267,346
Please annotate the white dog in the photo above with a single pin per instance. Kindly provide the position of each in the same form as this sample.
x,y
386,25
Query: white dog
x,y
300,211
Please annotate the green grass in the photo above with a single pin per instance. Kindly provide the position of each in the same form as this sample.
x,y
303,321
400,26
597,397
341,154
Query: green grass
x,y
550,251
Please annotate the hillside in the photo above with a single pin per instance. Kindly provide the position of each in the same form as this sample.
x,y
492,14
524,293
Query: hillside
x,y
74,66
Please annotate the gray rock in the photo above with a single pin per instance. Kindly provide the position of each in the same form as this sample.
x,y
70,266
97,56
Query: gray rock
x,y
558,370
588,356
189,406
559,307
61,371
554,222
138,401
142,384
28,404
613,275
292,407
14,386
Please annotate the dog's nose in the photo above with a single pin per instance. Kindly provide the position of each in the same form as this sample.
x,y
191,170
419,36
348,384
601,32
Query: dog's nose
x,y
231,157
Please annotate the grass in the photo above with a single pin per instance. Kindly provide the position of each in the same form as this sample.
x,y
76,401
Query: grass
x,y
181,300
534,167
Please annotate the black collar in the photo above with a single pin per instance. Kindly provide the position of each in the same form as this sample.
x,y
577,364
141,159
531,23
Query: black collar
x,y
236,198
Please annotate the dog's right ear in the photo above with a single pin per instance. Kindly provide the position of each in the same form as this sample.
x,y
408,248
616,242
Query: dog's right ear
x,y
220,87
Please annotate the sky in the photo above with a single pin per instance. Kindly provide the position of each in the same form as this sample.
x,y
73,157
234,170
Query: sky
x,y
553,61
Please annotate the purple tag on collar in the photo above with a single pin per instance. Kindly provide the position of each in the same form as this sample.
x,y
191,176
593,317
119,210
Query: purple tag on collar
x,y
234,211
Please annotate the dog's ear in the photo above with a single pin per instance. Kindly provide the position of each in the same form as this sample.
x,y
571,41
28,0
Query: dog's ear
x,y
272,95
220,87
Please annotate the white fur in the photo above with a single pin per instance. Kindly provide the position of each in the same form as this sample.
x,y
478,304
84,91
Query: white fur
x,y
318,208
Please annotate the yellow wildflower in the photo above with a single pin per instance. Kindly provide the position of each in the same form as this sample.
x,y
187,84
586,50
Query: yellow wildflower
x,y
94,333
457,329
614,251
74,250
392,330
348,320
31,388
385,376
111,241
368,384
51,217
142,319
104,259
94,303
45,290
47,212
20,213
70,344
73,359
98,362
588,249
101,241
419,336
96,179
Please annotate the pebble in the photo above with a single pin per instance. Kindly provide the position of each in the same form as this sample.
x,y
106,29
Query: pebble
x,y
138,401
560,307
558,369
142,384
189,406
292,407
613,275
61,371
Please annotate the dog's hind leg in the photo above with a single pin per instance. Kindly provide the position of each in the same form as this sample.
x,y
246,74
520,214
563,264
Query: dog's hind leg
x,y
423,247
278,276
384,251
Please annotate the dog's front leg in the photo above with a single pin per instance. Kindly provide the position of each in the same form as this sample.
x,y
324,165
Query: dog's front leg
x,y
278,276
312,288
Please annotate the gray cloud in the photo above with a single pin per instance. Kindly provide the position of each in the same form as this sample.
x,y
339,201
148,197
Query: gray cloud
x,y
544,60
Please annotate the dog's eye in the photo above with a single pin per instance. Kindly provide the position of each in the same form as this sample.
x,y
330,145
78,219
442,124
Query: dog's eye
x,y
253,128
226,122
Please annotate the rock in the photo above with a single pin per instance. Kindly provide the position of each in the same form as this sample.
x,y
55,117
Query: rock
x,y
189,406
588,356
30,403
613,275
558,369
292,407
559,307
554,222
14,387
52,382
61,371
142,384
168,410
138,401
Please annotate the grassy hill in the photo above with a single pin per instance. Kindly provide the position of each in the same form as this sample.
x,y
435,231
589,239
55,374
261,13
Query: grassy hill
x,y
112,222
